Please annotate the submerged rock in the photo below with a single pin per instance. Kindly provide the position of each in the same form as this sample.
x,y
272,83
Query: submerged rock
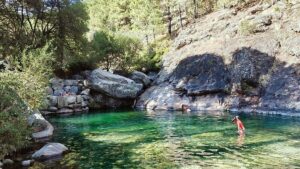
x,y
114,85
50,150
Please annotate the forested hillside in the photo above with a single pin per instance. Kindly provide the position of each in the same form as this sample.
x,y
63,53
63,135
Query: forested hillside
x,y
41,39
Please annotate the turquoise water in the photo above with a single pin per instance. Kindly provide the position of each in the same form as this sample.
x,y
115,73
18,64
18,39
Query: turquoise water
x,y
131,139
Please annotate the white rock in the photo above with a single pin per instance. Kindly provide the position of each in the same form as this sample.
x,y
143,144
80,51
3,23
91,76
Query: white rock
x,y
50,150
114,85
27,163
8,161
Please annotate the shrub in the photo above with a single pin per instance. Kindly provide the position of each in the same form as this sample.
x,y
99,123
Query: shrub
x,y
21,89
246,27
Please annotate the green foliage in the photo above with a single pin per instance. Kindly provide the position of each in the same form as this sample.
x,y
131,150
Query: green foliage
x,y
29,25
246,27
21,89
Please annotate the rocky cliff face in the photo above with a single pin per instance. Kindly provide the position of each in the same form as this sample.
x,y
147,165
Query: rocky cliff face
x,y
233,59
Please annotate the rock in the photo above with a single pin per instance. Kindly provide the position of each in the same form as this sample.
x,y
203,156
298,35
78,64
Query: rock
x,y
140,77
67,89
114,85
85,92
49,91
77,77
74,90
210,65
152,76
8,162
99,101
38,119
53,100
59,92
69,100
57,83
79,99
53,109
50,150
70,82
27,163
84,104
203,74
247,66
85,97
1,164
65,111
60,101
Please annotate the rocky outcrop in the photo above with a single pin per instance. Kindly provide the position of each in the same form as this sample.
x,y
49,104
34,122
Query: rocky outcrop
x,y
97,89
230,59
50,150
113,85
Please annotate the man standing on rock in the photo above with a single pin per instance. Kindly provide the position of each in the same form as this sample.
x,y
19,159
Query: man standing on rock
x,y
239,124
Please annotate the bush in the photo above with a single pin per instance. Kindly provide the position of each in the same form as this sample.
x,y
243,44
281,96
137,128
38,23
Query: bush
x,y
246,27
21,89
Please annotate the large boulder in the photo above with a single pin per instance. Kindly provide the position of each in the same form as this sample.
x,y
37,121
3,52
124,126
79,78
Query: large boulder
x,y
202,74
140,77
50,150
114,85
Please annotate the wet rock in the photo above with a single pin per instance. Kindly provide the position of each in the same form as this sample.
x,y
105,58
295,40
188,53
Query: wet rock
x,y
114,85
50,150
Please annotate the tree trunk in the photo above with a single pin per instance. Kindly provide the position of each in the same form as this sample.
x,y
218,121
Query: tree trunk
x,y
169,21
180,15
195,9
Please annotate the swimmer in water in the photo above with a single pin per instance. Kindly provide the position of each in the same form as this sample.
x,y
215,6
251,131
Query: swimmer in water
x,y
239,124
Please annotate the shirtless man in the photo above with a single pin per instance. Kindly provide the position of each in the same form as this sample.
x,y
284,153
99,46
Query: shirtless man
x,y
239,124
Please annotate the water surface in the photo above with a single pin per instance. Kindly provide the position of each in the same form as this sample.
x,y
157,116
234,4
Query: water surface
x,y
132,139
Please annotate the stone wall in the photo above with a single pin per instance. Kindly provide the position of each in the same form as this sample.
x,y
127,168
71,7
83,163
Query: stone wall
x,y
67,96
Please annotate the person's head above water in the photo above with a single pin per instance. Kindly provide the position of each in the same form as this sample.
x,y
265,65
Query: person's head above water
x,y
235,118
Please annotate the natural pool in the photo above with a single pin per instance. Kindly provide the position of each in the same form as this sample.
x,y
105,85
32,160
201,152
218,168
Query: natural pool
x,y
132,139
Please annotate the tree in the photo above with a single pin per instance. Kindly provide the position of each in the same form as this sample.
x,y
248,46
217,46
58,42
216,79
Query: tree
x,y
30,25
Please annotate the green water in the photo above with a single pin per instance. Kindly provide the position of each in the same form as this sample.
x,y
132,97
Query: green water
x,y
176,140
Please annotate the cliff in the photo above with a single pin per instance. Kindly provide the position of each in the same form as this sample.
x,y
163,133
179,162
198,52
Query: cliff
x,y
233,59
